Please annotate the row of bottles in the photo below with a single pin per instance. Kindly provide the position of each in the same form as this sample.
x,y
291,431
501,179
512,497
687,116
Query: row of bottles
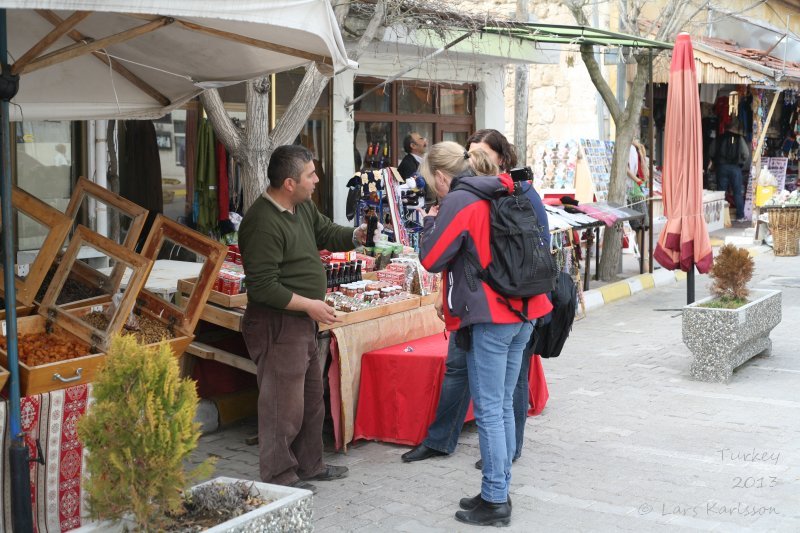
x,y
377,157
341,273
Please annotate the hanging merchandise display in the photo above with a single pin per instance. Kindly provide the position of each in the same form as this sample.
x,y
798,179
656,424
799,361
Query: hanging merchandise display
x,y
205,192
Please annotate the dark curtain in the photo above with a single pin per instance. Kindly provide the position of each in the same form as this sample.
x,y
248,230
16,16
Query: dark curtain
x,y
140,169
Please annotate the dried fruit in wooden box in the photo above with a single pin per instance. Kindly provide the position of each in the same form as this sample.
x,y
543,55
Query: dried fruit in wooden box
x,y
42,348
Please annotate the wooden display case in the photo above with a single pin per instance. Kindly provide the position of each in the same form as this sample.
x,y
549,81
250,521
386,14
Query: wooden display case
x,y
55,319
58,225
179,318
4,375
82,273
88,190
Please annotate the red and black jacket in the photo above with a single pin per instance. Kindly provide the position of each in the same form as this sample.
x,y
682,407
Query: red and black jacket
x,y
462,226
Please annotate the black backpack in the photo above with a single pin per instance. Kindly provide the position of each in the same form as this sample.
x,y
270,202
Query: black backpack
x,y
551,336
729,149
521,265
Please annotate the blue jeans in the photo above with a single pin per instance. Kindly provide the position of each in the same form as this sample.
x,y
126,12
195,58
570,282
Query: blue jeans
x,y
732,174
493,364
454,402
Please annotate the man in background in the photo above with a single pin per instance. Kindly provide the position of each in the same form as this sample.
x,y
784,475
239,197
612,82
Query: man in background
x,y
729,156
415,147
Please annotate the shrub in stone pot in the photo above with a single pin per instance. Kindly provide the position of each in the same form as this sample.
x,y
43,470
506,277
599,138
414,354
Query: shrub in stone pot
x,y
139,432
733,325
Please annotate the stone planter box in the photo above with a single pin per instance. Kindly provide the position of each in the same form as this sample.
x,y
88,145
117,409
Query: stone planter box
x,y
290,512
723,339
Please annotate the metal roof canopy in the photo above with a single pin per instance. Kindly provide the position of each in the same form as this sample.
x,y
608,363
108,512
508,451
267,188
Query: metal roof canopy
x,y
564,34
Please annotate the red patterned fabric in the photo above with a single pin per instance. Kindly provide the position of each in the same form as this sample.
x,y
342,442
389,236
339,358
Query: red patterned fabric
x,y
55,486
400,387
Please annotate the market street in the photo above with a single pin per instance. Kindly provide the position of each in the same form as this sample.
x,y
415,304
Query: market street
x,y
627,442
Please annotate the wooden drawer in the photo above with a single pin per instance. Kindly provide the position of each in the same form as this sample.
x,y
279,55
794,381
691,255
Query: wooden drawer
x,y
52,376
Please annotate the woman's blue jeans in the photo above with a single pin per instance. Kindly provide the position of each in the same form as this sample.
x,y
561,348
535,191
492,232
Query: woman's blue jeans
x,y
454,402
493,364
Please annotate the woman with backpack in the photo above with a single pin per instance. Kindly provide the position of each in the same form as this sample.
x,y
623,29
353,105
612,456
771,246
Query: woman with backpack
x,y
454,397
487,326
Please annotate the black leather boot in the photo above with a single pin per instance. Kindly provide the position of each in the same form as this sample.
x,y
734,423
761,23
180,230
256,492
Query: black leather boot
x,y
486,514
469,504
420,453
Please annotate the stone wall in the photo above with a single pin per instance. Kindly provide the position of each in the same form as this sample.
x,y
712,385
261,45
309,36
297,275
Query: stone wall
x,y
562,98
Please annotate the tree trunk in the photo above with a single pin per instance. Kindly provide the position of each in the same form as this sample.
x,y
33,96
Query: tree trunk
x,y
253,147
626,131
521,100
113,179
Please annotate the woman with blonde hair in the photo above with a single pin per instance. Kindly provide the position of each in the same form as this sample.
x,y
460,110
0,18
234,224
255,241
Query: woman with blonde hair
x,y
491,333
454,398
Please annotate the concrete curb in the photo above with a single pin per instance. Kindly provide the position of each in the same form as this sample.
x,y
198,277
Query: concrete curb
x,y
596,298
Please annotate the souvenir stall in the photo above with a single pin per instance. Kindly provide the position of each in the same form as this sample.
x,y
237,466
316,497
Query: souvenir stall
x,y
384,299
74,305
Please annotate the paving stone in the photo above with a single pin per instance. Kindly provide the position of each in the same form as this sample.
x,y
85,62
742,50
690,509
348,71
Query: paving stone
x,y
625,426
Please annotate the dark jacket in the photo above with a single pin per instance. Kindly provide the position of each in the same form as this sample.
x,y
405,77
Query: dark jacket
x,y
408,165
463,226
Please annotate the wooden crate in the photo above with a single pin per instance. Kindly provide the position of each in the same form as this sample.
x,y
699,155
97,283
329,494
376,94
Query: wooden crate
x,y
146,305
140,266
186,286
430,299
355,317
214,253
137,214
22,310
58,225
52,376
4,375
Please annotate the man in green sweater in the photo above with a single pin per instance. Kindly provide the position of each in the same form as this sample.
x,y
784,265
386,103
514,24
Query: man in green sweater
x,y
280,238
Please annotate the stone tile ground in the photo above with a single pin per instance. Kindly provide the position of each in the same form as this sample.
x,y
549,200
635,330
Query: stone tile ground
x,y
628,442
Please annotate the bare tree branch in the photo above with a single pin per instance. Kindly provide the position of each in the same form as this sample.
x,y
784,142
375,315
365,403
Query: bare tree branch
x,y
372,29
587,54
224,128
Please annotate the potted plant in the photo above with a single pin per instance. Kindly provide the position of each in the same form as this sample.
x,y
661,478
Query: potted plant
x,y
733,325
139,432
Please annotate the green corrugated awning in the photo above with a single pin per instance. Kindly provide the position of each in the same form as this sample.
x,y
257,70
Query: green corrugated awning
x,y
562,34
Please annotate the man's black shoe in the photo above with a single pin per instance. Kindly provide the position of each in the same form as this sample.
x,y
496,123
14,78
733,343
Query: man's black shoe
x,y
486,514
301,484
331,472
469,504
420,453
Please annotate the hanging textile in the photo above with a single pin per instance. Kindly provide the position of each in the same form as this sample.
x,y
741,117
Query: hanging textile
x,y
206,208
140,169
223,197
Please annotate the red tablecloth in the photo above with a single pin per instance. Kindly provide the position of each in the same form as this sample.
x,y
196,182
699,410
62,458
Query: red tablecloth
x,y
400,388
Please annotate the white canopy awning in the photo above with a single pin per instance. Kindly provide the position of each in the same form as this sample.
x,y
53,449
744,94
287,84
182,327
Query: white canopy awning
x,y
163,53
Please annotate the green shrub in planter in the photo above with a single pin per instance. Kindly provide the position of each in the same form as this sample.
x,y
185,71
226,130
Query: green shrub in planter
x,y
138,432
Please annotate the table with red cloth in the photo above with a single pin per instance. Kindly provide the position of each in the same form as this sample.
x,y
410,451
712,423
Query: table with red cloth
x,y
400,388
56,493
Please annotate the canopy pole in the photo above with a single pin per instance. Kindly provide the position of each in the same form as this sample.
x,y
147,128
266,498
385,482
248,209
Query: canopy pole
x,y
690,285
651,149
21,513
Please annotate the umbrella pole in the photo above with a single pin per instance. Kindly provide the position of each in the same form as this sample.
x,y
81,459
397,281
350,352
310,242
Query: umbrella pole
x,y
690,285
21,517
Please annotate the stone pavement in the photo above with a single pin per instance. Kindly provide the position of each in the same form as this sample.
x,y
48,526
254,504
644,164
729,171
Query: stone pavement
x,y
627,442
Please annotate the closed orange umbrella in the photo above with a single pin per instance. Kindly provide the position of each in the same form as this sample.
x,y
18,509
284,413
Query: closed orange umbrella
x,y
684,241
